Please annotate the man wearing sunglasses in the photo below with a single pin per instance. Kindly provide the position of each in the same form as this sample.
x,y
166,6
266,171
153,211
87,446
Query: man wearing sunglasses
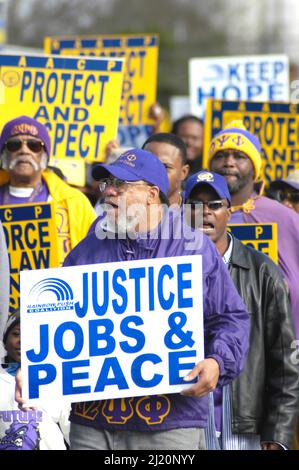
x,y
259,408
138,180
24,153
235,153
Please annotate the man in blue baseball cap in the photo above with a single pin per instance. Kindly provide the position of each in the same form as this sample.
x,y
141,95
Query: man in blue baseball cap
x,y
138,179
217,197
132,187
259,408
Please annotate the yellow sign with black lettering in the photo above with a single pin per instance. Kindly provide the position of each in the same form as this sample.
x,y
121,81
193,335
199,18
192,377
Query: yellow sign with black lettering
x,y
31,238
262,237
140,81
77,98
276,125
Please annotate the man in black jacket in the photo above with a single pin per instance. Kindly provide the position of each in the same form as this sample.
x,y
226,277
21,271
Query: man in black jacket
x,y
259,408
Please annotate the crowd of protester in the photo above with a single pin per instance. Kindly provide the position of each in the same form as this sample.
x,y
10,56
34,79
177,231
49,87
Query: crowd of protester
x,y
247,393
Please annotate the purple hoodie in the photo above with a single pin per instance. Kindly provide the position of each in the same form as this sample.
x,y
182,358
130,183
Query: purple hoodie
x,y
226,327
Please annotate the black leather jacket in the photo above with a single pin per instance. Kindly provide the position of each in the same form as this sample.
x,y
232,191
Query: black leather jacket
x,y
265,396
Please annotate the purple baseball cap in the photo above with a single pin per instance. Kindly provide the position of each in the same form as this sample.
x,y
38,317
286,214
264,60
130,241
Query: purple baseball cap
x,y
25,125
135,165
216,181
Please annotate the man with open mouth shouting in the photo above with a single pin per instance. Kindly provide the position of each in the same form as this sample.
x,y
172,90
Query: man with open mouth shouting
x,y
258,409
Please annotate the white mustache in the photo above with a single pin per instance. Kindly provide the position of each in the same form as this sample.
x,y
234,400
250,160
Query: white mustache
x,y
42,165
20,158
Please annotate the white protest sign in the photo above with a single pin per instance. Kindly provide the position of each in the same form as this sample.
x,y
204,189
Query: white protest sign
x,y
111,330
178,106
248,78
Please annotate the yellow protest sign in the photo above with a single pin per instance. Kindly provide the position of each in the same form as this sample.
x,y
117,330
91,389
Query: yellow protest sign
x,y
141,54
31,238
74,171
262,237
276,125
77,98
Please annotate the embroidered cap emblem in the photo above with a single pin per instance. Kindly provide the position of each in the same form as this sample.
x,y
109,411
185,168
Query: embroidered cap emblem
x,y
131,157
205,177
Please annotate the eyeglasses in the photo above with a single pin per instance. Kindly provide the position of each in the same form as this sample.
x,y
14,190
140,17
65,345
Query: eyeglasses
x,y
14,145
117,183
212,205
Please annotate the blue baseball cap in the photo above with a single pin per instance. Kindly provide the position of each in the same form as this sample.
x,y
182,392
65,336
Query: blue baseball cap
x,y
135,165
217,182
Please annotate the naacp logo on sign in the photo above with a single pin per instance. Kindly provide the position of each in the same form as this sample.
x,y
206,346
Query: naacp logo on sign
x,y
50,295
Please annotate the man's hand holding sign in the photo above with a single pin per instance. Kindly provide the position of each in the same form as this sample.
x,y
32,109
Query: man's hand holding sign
x,y
207,372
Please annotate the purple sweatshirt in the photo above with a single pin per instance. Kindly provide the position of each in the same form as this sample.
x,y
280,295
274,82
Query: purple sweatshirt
x,y
270,211
226,327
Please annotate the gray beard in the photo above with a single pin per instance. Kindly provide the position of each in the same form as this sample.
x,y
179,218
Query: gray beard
x,y
239,184
123,226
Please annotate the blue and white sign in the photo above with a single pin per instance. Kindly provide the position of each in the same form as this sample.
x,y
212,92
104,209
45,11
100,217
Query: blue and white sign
x,y
111,330
248,78
133,136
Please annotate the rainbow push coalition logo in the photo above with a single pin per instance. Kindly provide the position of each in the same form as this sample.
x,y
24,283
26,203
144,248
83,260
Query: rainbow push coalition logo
x,y
50,295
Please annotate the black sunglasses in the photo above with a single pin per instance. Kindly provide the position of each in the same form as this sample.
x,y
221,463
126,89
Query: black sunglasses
x,y
212,205
14,145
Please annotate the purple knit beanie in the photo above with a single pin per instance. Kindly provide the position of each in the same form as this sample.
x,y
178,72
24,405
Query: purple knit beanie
x,y
27,126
